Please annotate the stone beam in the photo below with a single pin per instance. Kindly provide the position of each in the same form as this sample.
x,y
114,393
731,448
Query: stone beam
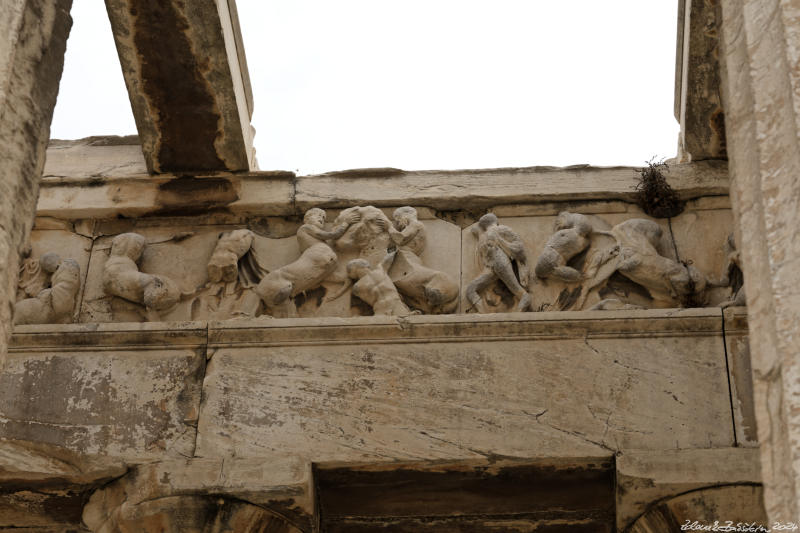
x,y
275,193
33,37
698,107
186,73
760,43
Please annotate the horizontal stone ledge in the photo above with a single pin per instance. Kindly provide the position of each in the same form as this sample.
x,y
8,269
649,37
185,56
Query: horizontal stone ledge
x,y
485,188
420,328
91,337
281,193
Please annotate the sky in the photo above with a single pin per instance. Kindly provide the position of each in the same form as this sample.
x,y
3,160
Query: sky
x,y
424,84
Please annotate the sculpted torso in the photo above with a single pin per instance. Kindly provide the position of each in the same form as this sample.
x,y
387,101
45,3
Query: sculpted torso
x,y
497,247
572,236
121,277
376,288
665,279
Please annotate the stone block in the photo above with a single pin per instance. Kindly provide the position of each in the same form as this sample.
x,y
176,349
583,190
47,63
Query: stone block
x,y
130,392
426,387
478,190
46,486
644,477
233,494
95,157
737,343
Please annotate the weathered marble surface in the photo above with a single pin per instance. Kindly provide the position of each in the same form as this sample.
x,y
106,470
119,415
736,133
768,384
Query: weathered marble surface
x,y
272,193
644,477
47,486
430,391
760,87
449,386
736,503
130,392
94,157
272,495
741,376
187,80
698,106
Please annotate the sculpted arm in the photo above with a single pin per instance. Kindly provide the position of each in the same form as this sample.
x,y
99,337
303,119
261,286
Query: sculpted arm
x,y
401,238
324,235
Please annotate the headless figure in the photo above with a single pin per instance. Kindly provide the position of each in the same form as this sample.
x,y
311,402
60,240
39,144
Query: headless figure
x,y
667,280
316,262
34,275
121,278
498,246
571,238
223,266
55,304
375,287
424,288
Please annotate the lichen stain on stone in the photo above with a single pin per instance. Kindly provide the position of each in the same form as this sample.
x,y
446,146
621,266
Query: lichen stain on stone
x,y
181,99
190,195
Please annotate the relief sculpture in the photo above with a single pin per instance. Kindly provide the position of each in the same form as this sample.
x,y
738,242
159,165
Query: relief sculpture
x,y
122,278
591,265
425,289
47,290
368,263
316,263
233,270
374,286
502,257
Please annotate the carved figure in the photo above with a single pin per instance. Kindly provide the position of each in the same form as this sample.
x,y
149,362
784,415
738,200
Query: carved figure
x,y
223,266
121,278
571,237
317,261
636,257
234,270
34,274
53,305
498,246
368,236
375,287
732,275
426,289
408,233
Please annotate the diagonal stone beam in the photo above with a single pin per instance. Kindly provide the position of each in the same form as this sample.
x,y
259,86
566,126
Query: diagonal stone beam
x,y
186,73
33,37
698,106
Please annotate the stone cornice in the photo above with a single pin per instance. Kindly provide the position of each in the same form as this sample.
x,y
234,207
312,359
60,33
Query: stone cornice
x,y
277,193
378,330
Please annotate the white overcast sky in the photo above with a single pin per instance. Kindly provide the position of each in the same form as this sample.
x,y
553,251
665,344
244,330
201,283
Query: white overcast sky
x,y
424,84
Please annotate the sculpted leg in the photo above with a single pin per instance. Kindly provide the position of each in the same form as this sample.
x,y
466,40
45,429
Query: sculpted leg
x,y
565,273
501,266
276,291
474,288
